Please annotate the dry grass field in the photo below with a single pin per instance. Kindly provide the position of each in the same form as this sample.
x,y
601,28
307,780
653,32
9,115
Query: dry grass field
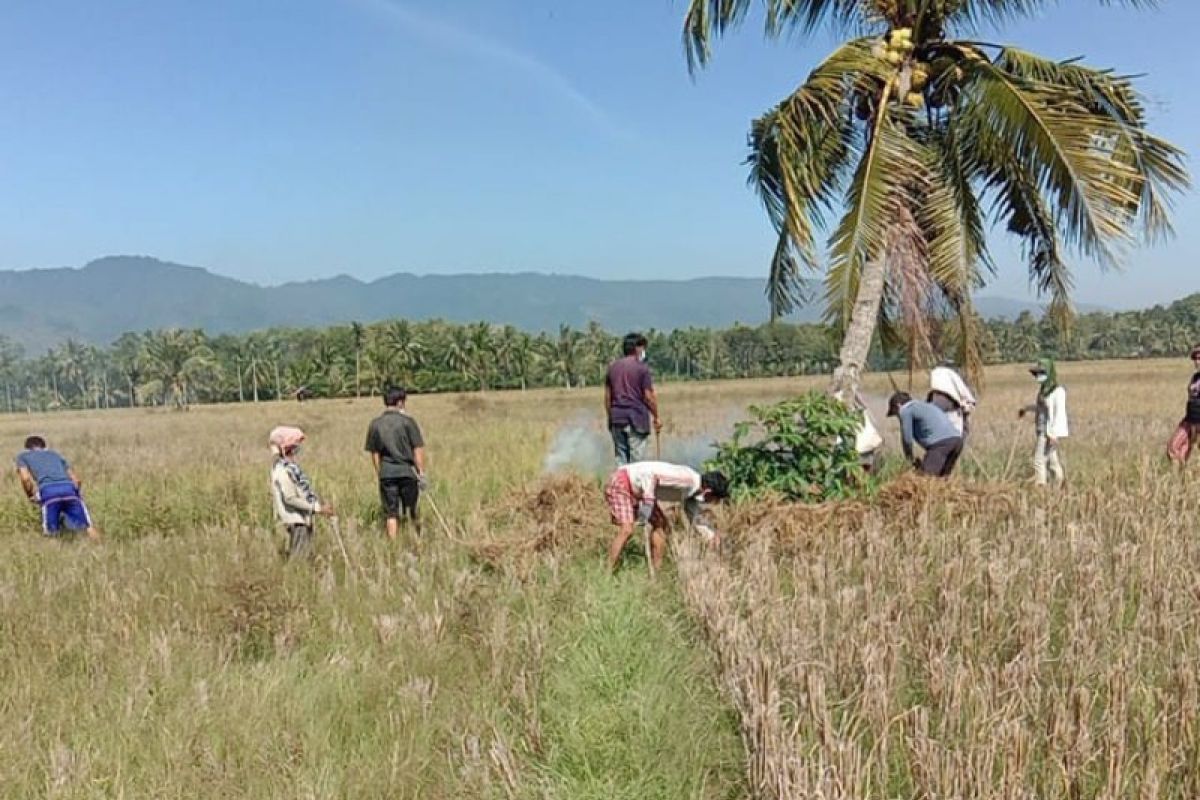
x,y
1025,645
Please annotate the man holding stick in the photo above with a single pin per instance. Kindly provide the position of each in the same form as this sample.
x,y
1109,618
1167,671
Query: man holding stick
x,y
630,402
398,453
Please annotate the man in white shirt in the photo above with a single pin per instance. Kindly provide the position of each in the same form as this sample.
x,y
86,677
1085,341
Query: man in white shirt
x,y
635,490
949,392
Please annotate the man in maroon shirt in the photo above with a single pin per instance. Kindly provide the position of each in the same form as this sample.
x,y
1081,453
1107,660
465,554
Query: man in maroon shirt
x,y
630,401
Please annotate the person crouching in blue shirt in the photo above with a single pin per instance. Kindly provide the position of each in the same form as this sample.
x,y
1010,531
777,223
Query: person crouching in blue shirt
x,y
928,426
49,481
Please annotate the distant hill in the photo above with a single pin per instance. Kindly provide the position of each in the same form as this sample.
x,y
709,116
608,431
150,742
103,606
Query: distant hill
x,y
109,296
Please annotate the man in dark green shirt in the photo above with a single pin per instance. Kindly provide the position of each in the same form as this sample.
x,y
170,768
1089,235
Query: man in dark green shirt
x,y
398,452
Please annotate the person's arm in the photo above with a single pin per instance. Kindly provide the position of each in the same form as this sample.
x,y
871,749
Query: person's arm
x,y
648,486
74,478
372,447
699,520
417,442
608,399
28,484
650,397
906,432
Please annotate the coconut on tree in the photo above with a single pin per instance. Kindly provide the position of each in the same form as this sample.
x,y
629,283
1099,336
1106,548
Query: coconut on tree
x,y
917,140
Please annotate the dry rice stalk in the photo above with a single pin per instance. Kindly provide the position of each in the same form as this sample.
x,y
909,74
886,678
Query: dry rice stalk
x,y
560,513
901,502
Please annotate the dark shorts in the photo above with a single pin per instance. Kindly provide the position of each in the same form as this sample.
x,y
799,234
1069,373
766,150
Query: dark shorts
x,y
62,504
397,494
940,457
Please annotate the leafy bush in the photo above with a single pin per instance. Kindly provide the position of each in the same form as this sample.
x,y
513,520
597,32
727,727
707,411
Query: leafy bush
x,y
801,449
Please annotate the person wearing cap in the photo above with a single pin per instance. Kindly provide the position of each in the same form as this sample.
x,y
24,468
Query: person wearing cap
x,y
949,392
1050,423
1187,433
51,483
927,425
398,453
633,495
296,504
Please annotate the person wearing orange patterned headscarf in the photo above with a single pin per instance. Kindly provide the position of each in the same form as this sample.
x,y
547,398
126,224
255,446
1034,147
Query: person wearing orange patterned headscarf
x,y
296,504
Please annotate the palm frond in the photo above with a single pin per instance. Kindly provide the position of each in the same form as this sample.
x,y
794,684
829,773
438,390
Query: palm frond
x,y
977,13
1160,167
708,20
1022,208
798,152
785,287
885,182
1061,147
951,217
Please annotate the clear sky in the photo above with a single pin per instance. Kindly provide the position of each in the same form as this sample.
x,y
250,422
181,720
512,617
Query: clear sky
x,y
279,140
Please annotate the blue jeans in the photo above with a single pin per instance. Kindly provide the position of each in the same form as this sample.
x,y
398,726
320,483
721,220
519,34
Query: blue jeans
x,y
629,445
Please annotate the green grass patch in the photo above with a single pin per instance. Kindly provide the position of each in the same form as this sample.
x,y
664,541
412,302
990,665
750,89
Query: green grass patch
x,y
630,708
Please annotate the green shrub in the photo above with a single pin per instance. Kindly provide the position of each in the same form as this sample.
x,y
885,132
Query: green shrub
x,y
801,449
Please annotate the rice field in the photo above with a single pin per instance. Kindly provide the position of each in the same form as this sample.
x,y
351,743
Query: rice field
x,y
1015,644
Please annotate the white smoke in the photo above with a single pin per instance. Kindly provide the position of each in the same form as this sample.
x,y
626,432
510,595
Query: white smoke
x,y
584,446
581,446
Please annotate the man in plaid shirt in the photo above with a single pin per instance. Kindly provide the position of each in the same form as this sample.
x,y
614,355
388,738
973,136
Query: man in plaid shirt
x,y
635,490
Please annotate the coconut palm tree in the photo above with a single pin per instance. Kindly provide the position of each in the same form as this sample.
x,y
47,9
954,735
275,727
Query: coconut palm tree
x,y
912,133
177,360
11,355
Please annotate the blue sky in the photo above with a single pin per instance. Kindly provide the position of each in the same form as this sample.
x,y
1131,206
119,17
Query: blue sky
x,y
276,141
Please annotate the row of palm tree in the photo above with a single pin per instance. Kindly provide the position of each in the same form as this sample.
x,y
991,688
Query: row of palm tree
x,y
179,367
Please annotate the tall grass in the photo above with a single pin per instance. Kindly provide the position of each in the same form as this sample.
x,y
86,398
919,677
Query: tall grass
x,y
184,658
1045,648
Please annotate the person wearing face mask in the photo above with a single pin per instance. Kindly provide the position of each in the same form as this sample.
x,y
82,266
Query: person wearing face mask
x,y
630,402
1187,433
1050,423
296,504
633,495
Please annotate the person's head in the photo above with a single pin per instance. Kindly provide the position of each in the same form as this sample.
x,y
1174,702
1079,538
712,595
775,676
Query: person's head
x,y
1195,354
394,397
634,344
898,401
35,443
714,486
285,441
1045,374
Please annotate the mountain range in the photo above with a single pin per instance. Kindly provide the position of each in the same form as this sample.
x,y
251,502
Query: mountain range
x,y
98,302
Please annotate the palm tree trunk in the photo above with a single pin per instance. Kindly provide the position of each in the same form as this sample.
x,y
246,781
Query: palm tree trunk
x,y
856,343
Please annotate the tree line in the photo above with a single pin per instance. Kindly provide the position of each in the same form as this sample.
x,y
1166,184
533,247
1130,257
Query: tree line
x,y
180,367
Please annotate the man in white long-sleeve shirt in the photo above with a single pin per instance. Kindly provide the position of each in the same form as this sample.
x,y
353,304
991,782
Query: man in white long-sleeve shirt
x,y
635,490
949,392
